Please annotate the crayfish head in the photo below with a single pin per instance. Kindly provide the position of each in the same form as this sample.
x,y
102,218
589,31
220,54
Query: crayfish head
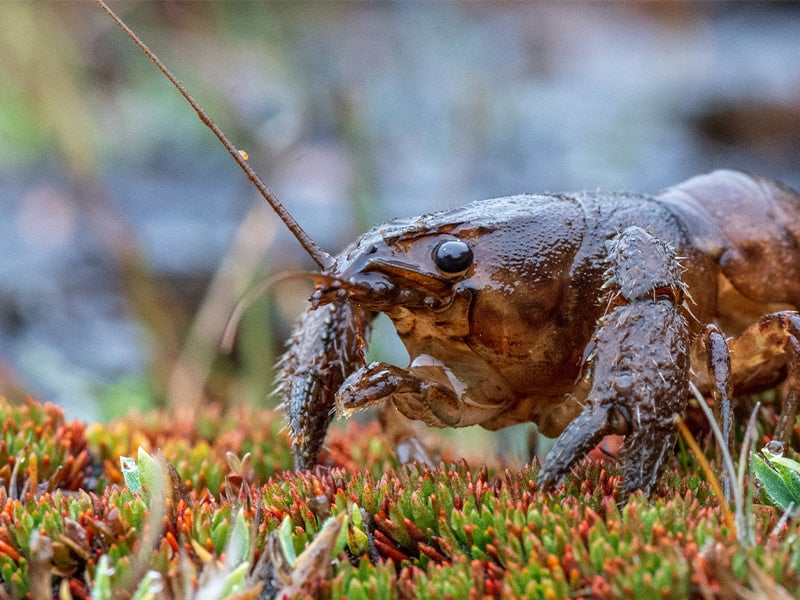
x,y
399,264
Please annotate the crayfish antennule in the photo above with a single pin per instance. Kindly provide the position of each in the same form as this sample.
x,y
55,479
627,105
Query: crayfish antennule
x,y
250,297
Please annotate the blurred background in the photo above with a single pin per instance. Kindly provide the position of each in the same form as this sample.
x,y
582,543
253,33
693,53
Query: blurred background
x,y
127,234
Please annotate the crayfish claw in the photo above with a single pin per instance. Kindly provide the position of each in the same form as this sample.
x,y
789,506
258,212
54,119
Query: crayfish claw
x,y
580,436
645,452
324,349
639,364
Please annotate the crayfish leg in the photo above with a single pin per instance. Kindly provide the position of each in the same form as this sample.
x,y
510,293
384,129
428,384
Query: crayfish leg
x,y
764,354
401,434
790,323
580,436
719,369
429,401
646,449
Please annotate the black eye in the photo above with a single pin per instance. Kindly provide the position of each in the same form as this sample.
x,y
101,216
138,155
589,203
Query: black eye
x,y
453,256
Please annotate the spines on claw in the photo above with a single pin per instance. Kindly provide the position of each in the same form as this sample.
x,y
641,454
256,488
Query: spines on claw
x,y
639,364
325,347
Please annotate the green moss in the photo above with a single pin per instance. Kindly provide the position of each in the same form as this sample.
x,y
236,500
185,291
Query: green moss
x,y
408,531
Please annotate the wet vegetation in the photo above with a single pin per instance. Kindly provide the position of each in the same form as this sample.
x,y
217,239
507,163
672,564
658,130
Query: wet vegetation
x,y
217,513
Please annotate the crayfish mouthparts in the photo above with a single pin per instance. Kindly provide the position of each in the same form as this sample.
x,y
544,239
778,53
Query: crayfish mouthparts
x,y
370,287
381,285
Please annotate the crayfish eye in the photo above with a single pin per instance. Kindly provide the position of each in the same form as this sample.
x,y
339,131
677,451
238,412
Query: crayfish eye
x,y
453,256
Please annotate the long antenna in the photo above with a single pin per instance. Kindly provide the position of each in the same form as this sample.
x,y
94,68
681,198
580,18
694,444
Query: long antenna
x,y
322,258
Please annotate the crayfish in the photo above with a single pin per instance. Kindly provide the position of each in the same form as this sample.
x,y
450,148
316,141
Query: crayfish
x,y
585,313
588,314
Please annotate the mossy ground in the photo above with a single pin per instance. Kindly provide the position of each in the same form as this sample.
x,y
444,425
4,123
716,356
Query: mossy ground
x,y
457,531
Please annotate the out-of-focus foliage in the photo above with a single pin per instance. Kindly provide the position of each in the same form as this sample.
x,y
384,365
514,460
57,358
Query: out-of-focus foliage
x,y
117,207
